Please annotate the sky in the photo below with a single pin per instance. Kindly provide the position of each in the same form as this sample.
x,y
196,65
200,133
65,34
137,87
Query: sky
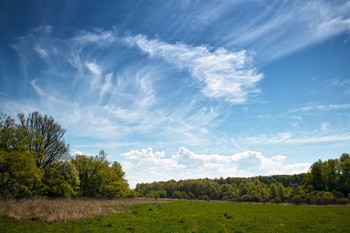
x,y
184,89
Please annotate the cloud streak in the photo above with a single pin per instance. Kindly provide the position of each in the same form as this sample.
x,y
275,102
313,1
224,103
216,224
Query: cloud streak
x,y
276,29
331,107
106,99
225,75
289,138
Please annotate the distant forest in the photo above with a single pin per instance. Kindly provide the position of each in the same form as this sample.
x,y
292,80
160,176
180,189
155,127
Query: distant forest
x,y
35,161
327,182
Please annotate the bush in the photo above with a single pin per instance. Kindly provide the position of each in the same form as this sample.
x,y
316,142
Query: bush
x,y
205,198
342,201
276,200
337,194
317,200
328,198
247,198
297,200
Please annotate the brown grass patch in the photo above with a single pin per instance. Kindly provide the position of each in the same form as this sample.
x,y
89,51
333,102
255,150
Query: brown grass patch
x,y
66,210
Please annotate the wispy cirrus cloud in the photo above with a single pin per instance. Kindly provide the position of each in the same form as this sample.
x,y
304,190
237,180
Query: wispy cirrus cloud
x,y
103,97
185,164
225,75
289,138
274,29
329,107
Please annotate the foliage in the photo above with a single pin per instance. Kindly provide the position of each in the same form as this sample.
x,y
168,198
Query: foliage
x,y
34,160
98,178
19,175
297,200
45,137
62,180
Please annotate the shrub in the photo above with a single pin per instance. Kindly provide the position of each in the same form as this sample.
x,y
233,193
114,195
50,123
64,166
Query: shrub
x,y
297,200
276,200
342,201
328,198
317,200
205,197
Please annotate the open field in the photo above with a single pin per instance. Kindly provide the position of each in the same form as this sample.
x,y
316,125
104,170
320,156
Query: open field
x,y
142,215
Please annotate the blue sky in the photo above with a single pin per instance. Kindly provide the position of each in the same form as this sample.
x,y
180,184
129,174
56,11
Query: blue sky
x,y
184,89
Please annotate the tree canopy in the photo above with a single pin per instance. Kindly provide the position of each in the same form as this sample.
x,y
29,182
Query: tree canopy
x,y
35,160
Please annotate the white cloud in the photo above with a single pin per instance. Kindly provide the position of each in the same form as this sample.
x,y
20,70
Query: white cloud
x,y
78,153
41,52
339,82
94,68
284,27
146,165
288,138
98,36
329,107
226,75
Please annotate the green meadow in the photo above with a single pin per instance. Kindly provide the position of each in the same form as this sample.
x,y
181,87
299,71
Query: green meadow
x,y
195,216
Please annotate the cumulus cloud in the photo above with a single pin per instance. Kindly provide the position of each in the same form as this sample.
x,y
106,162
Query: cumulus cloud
x,y
224,74
146,165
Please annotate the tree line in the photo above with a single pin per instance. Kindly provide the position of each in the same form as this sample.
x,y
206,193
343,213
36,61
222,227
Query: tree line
x,y
35,161
326,182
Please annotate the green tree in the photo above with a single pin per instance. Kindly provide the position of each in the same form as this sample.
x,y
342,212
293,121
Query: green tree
x,y
329,174
19,175
10,137
89,178
61,180
100,179
316,175
191,196
281,191
153,194
45,138
70,174
273,192
296,190
344,179
177,195
55,184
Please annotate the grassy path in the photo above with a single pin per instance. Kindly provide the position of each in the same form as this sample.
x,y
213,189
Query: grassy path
x,y
198,216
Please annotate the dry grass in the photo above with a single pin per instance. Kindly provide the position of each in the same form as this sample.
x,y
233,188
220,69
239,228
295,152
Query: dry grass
x,y
65,210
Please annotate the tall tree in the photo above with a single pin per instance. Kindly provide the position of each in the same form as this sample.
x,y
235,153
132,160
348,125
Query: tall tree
x,y
344,179
45,138
100,179
9,136
273,191
316,175
19,175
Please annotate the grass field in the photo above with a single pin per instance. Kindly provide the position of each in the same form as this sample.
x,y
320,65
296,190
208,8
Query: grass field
x,y
189,216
